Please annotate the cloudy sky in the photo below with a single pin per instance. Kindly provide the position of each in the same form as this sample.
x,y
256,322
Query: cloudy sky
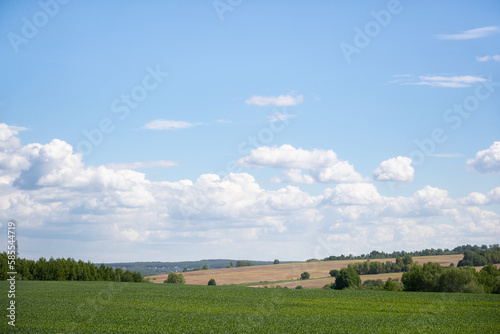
x,y
168,130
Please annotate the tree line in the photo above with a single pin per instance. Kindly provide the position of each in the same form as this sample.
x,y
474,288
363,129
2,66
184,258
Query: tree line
x,y
426,252
61,269
431,277
480,257
368,267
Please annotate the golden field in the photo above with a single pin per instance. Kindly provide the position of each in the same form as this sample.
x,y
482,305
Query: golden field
x,y
292,271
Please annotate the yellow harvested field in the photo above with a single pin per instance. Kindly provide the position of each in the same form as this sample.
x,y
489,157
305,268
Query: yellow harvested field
x,y
292,271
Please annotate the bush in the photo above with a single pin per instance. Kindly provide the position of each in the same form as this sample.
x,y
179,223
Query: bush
x,y
175,278
212,282
372,284
328,286
304,275
347,278
334,272
390,285
298,287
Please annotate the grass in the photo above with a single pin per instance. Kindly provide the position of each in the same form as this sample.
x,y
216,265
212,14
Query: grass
x,y
90,307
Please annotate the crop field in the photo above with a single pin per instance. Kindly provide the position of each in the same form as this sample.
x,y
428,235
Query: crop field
x,y
102,307
290,271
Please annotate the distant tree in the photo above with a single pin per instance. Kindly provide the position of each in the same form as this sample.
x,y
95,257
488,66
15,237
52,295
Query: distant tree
x,y
205,267
472,259
304,275
185,270
175,278
276,261
407,260
347,278
231,264
334,272
212,282
243,263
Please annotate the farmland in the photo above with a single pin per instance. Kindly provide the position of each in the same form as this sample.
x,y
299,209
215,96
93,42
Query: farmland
x,y
292,271
112,307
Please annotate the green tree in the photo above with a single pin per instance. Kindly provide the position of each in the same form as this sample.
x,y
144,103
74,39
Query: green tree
x,y
304,275
334,272
212,282
276,261
175,278
347,278
243,263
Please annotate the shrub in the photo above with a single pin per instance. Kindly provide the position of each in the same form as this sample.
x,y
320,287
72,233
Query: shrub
x,y
175,278
328,286
212,282
298,287
373,284
390,285
304,275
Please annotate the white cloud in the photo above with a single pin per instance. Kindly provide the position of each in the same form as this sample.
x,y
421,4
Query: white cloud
x,y
99,210
143,164
475,198
162,124
353,194
322,165
470,34
396,169
440,81
488,58
486,161
452,82
279,101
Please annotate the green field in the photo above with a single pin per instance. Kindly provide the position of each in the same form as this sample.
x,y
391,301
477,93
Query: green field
x,y
89,307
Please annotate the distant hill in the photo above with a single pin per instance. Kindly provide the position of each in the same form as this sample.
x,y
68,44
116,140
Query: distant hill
x,y
156,268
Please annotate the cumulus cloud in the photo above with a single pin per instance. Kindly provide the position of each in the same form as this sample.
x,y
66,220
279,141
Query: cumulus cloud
x,y
397,169
322,166
53,193
163,124
470,34
488,58
486,161
279,101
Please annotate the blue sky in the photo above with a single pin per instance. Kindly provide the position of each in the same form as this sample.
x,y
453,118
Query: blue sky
x,y
182,130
